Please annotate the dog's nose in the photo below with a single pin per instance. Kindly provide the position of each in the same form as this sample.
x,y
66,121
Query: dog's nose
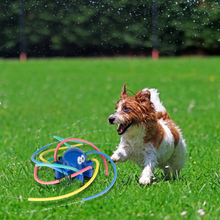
x,y
111,120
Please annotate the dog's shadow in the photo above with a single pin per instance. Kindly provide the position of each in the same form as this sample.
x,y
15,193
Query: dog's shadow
x,y
159,177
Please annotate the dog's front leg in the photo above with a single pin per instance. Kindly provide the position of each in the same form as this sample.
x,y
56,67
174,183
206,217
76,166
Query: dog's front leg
x,y
121,154
149,165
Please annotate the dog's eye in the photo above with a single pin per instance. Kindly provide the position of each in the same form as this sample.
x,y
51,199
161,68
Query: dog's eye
x,y
126,109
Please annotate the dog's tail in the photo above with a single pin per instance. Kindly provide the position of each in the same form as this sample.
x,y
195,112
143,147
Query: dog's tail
x,y
154,97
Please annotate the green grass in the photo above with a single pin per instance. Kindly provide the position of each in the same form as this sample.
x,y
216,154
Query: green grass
x,y
73,98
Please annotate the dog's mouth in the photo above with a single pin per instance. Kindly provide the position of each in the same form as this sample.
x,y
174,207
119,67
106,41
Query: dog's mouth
x,y
122,128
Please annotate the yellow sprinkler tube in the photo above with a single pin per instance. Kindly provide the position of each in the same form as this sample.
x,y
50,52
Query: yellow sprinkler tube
x,y
72,193
51,150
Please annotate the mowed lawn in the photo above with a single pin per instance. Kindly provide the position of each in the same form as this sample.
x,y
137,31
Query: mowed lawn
x,y
73,98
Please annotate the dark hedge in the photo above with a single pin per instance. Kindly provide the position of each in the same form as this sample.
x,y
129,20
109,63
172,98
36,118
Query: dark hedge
x,y
88,28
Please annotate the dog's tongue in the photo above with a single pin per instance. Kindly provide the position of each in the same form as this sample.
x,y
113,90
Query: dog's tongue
x,y
121,128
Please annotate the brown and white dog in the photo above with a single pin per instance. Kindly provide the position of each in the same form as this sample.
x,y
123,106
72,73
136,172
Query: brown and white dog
x,y
149,137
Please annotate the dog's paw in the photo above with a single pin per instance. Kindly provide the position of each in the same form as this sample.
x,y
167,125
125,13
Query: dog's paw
x,y
115,158
144,180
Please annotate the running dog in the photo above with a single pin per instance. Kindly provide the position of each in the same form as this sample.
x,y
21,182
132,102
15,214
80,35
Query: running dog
x,y
149,137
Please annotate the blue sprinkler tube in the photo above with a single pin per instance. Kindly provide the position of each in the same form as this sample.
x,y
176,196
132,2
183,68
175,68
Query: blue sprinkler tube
x,y
53,166
112,183
36,161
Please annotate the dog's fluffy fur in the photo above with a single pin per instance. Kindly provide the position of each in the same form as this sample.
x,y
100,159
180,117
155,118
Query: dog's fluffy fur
x,y
149,137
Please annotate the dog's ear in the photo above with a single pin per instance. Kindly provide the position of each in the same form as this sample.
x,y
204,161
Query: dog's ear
x,y
142,96
123,91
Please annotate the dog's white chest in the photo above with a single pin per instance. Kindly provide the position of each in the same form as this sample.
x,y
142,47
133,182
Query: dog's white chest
x,y
139,151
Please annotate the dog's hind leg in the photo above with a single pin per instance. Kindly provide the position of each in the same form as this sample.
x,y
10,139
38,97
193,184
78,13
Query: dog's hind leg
x,y
178,158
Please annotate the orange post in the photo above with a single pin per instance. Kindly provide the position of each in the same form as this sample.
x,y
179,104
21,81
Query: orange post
x,y
23,57
155,54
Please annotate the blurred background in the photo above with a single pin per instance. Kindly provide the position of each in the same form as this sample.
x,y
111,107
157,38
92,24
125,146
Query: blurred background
x,y
84,28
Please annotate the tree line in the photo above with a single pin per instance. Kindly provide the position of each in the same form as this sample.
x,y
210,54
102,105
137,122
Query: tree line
x,y
109,27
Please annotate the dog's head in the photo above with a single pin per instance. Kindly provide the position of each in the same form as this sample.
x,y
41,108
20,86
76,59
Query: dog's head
x,y
132,111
